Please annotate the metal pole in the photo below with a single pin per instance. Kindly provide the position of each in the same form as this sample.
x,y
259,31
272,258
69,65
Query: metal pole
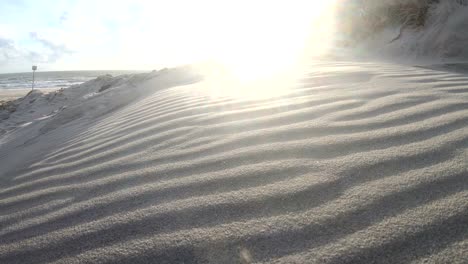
x,y
34,68
32,88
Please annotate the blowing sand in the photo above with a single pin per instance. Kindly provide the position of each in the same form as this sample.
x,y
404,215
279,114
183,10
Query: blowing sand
x,y
355,163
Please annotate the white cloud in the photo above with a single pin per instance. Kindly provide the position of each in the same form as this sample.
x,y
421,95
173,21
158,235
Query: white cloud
x,y
54,50
14,58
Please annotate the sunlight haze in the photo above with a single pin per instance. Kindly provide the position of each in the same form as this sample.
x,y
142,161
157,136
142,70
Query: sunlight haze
x,y
233,131
74,35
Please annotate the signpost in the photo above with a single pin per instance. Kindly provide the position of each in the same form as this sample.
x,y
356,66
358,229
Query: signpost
x,y
34,68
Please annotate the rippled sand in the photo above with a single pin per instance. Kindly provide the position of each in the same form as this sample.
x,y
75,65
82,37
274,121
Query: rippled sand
x,y
355,163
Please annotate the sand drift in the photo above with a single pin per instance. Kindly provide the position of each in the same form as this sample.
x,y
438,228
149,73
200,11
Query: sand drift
x,y
356,163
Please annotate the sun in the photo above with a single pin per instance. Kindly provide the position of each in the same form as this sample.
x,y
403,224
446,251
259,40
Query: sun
x,y
262,44
268,35
253,41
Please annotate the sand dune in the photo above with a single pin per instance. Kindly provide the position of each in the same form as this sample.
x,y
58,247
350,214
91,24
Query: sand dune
x,y
355,163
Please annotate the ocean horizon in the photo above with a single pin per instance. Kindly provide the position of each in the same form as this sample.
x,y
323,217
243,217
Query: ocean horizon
x,y
54,79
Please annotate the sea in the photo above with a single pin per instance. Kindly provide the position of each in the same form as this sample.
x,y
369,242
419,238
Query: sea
x,y
52,79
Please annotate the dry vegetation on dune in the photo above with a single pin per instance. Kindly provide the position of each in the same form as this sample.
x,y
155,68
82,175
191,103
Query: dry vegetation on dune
x,y
360,19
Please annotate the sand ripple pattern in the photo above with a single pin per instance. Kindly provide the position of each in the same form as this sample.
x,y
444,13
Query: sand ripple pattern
x,y
357,163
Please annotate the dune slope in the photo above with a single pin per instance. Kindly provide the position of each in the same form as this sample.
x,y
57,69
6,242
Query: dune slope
x,y
355,163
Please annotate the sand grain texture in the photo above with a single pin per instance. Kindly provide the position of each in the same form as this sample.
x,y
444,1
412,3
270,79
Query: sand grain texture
x,y
355,163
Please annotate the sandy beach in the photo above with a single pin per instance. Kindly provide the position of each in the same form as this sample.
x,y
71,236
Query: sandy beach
x,y
355,162
13,94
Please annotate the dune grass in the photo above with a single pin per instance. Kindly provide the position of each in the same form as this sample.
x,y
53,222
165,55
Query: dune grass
x,y
360,19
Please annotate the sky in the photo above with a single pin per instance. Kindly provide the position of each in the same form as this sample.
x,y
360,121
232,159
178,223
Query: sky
x,y
147,34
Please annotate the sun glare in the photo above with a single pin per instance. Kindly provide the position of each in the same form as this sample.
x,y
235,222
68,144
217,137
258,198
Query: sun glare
x,y
261,44
252,40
